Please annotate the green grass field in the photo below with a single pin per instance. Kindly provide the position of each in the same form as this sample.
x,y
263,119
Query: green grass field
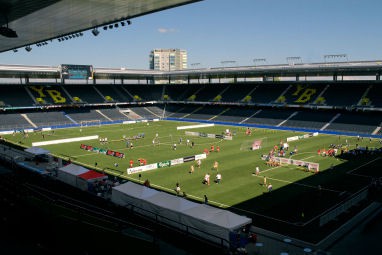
x,y
239,190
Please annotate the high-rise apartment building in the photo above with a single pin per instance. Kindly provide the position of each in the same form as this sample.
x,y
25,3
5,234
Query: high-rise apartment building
x,y
168,59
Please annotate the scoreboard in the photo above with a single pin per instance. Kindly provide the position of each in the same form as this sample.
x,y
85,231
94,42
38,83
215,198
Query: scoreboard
x,y
82,72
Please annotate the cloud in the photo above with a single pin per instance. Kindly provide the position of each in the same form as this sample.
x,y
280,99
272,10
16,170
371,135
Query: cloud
x,y
163,30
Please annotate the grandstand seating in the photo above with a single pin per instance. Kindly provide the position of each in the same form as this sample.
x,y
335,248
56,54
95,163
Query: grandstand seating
x,y
15,96
147,112
84,114
113,114
112,93
364,123
302,94
237,92
262,107
374,96
271,117
145,92
11,121
309,119
236,114
267,93
180,92
86,93
180,111
344,95
205,112
48,118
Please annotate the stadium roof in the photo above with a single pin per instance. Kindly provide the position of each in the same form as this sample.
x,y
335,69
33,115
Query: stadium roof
x,y
39,21
355,68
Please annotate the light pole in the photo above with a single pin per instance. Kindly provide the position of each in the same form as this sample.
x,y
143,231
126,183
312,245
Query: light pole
x,y
259,60
335,58
294,60
195,64
226,62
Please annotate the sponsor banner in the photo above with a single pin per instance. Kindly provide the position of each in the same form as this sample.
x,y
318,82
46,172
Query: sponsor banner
x,y
155,119
142,168
200,156
177,161
219,136
195,126
227,137
6,132
46,129
192,133
164,164
211,136
189,158
68,140
129,122
285,160
201,134
293,138
29,130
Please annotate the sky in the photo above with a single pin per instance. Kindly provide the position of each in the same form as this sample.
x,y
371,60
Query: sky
x,y
214,31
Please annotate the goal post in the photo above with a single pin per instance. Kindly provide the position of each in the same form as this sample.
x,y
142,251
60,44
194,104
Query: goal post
x,y
90,123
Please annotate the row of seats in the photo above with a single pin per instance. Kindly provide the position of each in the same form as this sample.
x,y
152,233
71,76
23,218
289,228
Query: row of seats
x,y
321,94
354,122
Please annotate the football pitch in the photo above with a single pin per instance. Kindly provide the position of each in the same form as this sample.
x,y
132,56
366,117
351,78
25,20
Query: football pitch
x,y
297,195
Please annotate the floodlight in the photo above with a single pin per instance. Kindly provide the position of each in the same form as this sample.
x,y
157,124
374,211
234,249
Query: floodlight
x,y
28,48
95,32
7,32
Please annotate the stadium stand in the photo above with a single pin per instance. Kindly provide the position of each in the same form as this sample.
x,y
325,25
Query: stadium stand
x,y
271,117
206,112
309,119
42,119
145,92
112,93
85,94
11,121
236,114
233,94
147,112
113,114
373,97
343,95
302,94
267,93
364,123
15,96
84,114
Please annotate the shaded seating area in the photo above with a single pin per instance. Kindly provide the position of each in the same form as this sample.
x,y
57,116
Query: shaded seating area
x,y
48,118
271,117
113,113
86,94
145,92
112,93
15,95
267,93
206,112
309,119
10,121
344,94
84,114
364,123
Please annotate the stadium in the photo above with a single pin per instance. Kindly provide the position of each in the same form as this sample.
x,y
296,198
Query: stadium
x,y
123,155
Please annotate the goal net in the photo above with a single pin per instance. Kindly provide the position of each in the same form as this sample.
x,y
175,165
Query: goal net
x,y
90,123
